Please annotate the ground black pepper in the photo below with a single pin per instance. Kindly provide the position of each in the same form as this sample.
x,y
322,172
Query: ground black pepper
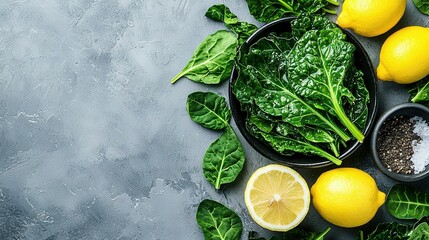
x,y
394,144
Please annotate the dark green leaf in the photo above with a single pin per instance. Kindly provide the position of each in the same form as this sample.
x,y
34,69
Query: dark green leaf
x,y
243,30
317,67
218,222
282,144
213,60
263,125
222,13
316,135
270,10
421,232
420,92
224,159
358,109
209,110
271,91
301,113
391,231
405,202
422,5
307,22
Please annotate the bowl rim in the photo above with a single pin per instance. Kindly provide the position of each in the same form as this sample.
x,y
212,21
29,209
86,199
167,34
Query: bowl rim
x,y
385,116
354,145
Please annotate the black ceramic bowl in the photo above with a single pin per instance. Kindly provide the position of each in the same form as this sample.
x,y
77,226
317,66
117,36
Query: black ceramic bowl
x,y
362,62
408,110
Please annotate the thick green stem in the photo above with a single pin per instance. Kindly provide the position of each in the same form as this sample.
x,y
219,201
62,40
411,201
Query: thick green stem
x,y
333,2
322,153
330,11
419,92
322,234
326,155
334,149
333,126
287,6
347,123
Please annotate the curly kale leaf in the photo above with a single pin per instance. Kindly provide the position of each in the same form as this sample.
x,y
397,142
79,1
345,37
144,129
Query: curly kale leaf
x,y
222,13
270,10
317,67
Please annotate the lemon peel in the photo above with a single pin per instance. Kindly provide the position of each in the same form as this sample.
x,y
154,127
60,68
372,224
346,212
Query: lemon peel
x,y
371,18
404,56
346,197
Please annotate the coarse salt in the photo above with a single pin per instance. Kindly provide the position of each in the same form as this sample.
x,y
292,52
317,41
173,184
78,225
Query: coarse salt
x,y
420,157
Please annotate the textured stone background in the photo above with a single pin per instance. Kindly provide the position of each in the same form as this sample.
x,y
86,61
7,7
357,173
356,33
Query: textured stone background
x,y
95,143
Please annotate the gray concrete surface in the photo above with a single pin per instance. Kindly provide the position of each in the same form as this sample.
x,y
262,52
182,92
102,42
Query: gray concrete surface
x,y
95,143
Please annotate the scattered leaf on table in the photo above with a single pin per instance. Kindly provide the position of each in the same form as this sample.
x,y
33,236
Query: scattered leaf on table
x,y
405,202
218,222
213,60
222,13
422,5
224,159
421,232
209,110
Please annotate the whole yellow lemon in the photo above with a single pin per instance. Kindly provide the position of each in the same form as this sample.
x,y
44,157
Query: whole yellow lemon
x,y
371,18
346,197
404,56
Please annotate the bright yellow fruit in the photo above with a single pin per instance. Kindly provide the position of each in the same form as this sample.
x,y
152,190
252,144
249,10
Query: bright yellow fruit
x,y
277,197
346,197
371,18
404,56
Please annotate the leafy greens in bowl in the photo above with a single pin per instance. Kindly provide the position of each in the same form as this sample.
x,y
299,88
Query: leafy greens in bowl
x,y
303,92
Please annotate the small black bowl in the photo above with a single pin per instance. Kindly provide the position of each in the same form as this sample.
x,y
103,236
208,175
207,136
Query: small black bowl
x,y
362,62
408,110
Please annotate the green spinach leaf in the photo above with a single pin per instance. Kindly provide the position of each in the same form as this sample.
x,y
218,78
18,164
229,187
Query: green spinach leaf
x,y
422,5
270,10
224,159
213,60
209,110
218,222
317,67
222,13
294,234
405,202
397,231
421,232
393,231
420,92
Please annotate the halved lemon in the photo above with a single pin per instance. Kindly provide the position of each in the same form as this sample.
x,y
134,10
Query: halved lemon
x,y
277,197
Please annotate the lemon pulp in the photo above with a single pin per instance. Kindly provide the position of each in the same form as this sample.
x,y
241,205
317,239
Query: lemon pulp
x,y
277,197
